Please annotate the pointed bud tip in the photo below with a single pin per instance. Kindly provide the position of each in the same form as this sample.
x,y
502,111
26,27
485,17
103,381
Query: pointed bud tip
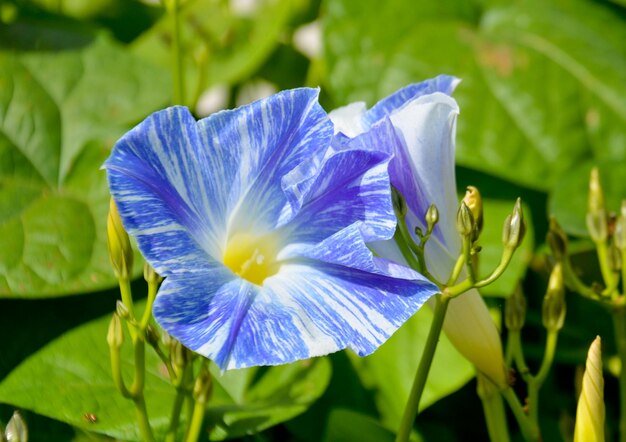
x,y
118,242
590,413
16,430
115,334
474,202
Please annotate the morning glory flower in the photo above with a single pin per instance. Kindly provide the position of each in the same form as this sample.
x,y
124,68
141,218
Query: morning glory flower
x,y
424,116
259,225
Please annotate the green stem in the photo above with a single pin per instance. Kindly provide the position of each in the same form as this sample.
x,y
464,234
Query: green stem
x,y
173,8
548,357
574,283
402,243
181,391
619,323
518,355
142,418
530,432
458,266
197,418
412,406
495,417
605,268
147,313
507,255
116,372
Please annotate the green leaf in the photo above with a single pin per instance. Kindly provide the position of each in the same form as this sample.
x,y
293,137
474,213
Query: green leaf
x,y
219,44
59,115
495,212
544,83
71,376
347,426
390,371
568,202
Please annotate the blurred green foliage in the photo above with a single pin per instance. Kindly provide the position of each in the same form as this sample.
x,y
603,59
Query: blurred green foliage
x,y
543,99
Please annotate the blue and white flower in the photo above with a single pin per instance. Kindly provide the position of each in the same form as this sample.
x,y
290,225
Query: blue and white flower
x,y
259,226
424,116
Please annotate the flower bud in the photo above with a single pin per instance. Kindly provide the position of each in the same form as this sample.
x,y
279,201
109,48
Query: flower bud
x,y
399,204
590,411
115,335
16,430
465,224
620,228
557,239
474,202
597,219
120,251
514,227
150,275
152,336
515,310
432,217
121,309
203,386
553,311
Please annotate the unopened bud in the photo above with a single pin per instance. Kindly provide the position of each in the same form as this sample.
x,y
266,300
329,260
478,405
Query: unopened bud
x,y
16,430
465,221
115,335
203,386
614,258
557,239
553,311
180,355
590,412
515,310
120,251
121,309
474,202
597,219
514,227
150,275
432,216
399,204
152,336
620,228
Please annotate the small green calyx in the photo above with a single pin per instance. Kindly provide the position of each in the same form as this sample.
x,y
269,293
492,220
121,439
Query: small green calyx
x,y
465,221
514,227
553,311
474,202
115,335
597,218
557,239
120,251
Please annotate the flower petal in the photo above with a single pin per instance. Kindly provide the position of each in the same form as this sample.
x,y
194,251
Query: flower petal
x,y
385,107
157,178
424,172
303,311
351,186
266,140
348,120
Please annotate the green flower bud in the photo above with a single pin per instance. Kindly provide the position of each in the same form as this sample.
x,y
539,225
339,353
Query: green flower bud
x,y
121,309
16,430
597,218
474,202
152,336
115,335
614,258
120,251
553,311
203,387
620,228
515,310
514,227
432,217
465,224
150,275
590,411
557,239
399,204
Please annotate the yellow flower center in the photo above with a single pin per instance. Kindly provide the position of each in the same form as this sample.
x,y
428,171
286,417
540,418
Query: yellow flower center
x,y
252,257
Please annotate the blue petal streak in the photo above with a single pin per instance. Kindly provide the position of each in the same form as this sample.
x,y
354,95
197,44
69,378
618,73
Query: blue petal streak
x,y
307,309
157,175
259,144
